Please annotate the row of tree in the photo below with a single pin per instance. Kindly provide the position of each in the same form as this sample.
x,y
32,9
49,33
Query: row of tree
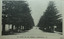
x,y
16,13
51,19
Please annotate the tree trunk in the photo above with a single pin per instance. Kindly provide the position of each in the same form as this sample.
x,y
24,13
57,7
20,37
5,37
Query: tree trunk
x,y
3,29
20,26
52,29
12,27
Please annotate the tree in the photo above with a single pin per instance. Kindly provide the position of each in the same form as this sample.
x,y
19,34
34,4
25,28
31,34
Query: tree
x,y
17,13
50,17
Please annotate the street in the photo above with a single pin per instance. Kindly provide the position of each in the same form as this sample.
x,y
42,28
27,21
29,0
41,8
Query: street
x,y
36,31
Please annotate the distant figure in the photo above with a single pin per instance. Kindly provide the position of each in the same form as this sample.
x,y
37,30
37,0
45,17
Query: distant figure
x,y
36,27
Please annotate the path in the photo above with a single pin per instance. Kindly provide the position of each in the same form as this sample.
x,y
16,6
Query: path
x,y
36,31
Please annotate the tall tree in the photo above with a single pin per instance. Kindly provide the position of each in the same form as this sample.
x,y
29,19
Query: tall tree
x,y
50,17
17,13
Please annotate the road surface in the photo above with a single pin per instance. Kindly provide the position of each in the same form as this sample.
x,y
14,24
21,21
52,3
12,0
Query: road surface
x,y
36,31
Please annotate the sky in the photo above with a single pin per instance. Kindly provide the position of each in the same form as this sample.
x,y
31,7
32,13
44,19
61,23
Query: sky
x,y
38,7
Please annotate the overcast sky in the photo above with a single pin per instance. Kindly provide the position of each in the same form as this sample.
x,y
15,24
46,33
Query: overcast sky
x,y
38,7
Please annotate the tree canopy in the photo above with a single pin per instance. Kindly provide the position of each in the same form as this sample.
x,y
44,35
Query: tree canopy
x,y
17,13
50,17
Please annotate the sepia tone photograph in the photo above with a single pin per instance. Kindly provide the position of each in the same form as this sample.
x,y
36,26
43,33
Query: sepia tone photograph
x,y
32,17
